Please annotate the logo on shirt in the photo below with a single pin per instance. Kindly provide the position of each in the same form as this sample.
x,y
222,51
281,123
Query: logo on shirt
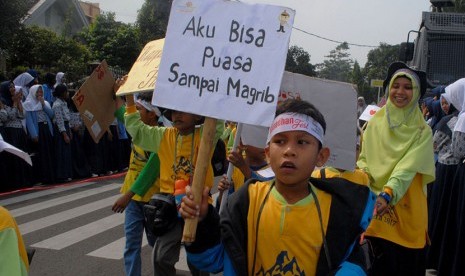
x,y
183,167
283,266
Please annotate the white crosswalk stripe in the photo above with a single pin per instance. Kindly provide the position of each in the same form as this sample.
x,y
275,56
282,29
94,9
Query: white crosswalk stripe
x,y
26,197
114,250
61,200
81,233
54,212
60,217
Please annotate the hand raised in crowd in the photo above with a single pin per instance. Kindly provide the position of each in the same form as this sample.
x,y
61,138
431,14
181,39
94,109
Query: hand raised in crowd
x,y
17,99
224,184
190,209
118,83
41,100
130,100
237,159
424,109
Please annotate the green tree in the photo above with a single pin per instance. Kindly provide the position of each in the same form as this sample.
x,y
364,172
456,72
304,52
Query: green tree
x,y
338,65
152,19
114,41
11,13
42,49
458,7
73,59
378,60
358,78
298,61
34,47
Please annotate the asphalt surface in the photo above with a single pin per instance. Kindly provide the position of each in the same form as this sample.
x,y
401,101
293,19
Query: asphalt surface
x,y
73,229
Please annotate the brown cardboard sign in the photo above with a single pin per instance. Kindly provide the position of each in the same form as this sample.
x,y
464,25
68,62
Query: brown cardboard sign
x,y
95,102
144,71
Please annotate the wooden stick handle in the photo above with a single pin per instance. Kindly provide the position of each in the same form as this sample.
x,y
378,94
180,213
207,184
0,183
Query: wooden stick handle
x,y
200,172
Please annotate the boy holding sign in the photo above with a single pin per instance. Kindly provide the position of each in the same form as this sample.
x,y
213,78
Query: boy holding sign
x,y
310,226
177,148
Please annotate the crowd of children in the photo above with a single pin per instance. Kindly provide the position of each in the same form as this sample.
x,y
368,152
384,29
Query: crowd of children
x,y
304,219
447,196
41,120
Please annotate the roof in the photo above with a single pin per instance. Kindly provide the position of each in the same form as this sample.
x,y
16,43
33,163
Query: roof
x,y
40,7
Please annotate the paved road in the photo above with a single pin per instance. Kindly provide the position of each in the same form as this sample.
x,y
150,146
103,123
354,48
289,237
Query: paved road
x,y
74,230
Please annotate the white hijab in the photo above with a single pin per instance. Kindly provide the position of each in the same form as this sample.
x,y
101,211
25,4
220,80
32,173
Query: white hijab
x,y
59,78
22,81
32,103
455,94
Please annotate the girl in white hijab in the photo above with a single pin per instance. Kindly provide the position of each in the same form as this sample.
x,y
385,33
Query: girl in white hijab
x,y
39,117
456,92
24,80
59,78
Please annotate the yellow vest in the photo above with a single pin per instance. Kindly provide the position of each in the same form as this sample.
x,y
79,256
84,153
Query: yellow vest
x,y
406,223
288,233
137,161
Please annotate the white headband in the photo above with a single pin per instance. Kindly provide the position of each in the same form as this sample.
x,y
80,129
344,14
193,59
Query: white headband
x,y
296,121
149,107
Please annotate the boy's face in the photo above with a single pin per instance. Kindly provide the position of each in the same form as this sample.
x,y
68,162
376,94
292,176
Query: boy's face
x,y
293,155
146,116
184,122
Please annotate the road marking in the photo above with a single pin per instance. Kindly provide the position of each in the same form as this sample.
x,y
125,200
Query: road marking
x,y
115,249
41,223
81,233
33,195
60,200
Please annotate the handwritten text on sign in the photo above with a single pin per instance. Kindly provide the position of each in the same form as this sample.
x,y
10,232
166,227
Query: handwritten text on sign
x,y
226,56
144,71
95,103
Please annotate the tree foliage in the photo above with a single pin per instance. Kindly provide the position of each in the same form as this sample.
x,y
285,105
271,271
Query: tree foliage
x,y
42,49
378,61
114,41
458,7
298,61
11,14
338,65
152,19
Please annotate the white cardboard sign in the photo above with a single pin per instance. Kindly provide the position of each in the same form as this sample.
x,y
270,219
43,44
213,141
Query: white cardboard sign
x,y
369,112
337,101
224,59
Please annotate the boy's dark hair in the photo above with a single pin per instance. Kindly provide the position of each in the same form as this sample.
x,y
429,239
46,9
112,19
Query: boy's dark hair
x,y
60,90
71,105
50,79
146,96
301,107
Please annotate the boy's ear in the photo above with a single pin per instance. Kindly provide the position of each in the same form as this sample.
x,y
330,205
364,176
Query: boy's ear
x,y
153,115
323,156
267,152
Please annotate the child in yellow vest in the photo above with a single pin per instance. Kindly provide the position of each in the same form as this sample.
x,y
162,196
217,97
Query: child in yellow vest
x,y
292,225
178,148
357,176
13,259
132,200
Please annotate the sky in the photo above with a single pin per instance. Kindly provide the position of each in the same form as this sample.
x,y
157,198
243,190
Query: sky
x,y
363,22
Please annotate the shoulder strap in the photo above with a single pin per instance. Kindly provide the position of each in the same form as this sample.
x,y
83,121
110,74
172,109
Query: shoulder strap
x,y
323,173
325,244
